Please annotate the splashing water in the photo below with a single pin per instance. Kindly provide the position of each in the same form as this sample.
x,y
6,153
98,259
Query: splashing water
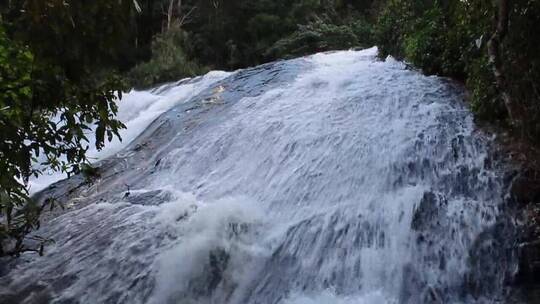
x,y
334,178
137,110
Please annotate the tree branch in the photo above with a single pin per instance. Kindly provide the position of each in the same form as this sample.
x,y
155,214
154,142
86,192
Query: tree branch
x,y
493,48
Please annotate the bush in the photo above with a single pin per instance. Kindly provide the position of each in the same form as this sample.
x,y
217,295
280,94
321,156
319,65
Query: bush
x,y
485,101
78,85
169,61
392,25
425,44
449,38
18,213
312,38
364,32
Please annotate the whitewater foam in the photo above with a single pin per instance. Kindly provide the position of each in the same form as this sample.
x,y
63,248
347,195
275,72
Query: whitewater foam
x,y
137,109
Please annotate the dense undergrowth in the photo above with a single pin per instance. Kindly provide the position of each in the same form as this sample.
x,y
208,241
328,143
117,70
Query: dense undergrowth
x,y
451,38
443,37
235,34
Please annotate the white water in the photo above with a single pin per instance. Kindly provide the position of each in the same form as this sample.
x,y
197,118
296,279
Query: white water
x,y
137,109
336,178
329,297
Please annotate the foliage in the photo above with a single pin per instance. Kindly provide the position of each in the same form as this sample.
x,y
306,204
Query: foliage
x,y
392,24
15,81
521,53
449,38
231,34
312,38
424,46
485,102
169,61
51,96
238,33
363,30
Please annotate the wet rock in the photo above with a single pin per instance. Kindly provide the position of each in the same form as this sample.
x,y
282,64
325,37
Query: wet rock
x,y
529,262
203,286
147,198
525,191
525,188
427,212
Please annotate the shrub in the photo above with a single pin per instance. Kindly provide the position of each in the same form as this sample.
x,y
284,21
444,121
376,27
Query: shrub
x,y
485,102
314,37
425,44
364,32
77,85
449,38
169,61
392,24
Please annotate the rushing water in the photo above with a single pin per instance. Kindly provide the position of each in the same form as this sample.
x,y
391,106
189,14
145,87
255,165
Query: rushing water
x,y
335,178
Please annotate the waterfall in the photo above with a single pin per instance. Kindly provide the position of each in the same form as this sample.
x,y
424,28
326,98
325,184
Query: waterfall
x,y
333,178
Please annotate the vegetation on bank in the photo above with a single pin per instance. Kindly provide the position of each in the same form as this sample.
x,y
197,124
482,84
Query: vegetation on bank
x,y
72,59
58,77
235,34
168,62
492,46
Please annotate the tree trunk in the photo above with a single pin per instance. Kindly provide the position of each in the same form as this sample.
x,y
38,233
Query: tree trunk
x,y
170,14
493,48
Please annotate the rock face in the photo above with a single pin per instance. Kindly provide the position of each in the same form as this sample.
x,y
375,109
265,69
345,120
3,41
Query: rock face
x,y
526,187
525,190
529,255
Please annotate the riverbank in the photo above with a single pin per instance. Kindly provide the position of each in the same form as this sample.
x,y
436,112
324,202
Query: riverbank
x,y
523,157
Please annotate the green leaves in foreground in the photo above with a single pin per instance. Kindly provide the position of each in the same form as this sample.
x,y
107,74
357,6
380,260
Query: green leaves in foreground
x,y
51,97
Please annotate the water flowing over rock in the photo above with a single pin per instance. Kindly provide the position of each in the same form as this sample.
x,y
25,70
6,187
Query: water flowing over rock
x,y
334,178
